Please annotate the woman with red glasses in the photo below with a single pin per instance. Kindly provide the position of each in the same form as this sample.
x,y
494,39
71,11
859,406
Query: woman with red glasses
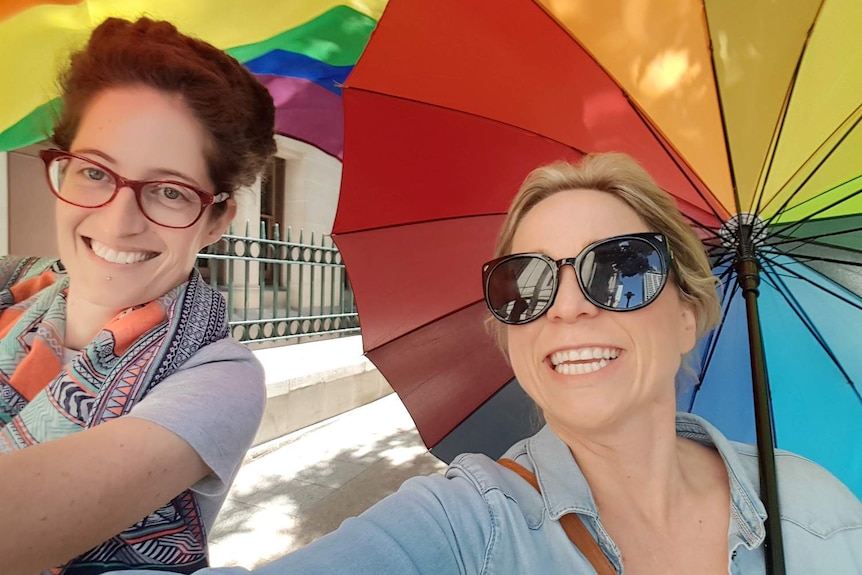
x,y
125,408
598,292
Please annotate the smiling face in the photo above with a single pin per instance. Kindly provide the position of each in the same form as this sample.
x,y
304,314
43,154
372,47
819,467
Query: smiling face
x,y
141,134
585,367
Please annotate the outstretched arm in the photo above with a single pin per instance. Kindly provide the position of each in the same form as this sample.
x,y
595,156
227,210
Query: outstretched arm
x,y
431,526
66,496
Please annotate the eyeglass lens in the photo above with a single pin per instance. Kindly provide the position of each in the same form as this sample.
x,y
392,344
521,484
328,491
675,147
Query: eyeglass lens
x,y
618,274
88,185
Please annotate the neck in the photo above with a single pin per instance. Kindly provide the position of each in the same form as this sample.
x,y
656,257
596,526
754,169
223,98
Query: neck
x,y
641,464
84,320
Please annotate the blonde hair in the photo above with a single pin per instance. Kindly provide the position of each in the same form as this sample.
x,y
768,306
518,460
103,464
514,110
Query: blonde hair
x,y
621,176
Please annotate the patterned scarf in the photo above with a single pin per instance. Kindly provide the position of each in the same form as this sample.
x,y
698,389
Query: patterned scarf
x,y
41,399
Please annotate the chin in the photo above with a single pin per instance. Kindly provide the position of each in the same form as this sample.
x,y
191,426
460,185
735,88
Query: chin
x,y
120,302
111,294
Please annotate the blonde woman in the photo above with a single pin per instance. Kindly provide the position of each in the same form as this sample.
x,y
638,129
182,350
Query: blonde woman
x,y
617,290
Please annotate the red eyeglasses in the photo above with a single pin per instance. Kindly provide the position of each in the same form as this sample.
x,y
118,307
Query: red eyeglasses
x,y
85,183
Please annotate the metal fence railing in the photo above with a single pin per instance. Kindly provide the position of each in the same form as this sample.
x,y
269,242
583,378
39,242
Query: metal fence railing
x,y
280,290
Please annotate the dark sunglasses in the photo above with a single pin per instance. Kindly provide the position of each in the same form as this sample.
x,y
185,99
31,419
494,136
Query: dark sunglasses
x,y
623,273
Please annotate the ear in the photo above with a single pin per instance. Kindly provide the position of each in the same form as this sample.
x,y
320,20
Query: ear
x,y
687,327
216,227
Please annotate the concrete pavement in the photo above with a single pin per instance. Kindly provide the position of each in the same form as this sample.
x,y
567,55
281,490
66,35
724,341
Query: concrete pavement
x,y
296,488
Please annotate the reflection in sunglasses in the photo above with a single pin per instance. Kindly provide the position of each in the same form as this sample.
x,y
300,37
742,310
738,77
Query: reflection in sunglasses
x,y
617,274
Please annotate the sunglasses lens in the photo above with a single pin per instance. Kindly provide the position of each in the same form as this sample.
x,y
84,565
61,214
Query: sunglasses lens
x,y
518,289
623,274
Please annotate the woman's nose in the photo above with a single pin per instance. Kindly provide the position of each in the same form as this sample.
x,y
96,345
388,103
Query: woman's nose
x,y
570,302
123,215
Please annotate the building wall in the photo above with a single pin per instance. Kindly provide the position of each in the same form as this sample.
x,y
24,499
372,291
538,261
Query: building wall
x,y
312,182
30,218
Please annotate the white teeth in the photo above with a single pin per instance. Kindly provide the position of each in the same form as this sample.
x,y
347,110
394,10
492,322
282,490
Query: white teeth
x,y
565,361
580,368
116,257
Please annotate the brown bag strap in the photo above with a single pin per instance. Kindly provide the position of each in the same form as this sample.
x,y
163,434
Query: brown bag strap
x,y
571,524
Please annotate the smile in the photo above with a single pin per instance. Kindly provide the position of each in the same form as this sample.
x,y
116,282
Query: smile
x,y
583,360
114,256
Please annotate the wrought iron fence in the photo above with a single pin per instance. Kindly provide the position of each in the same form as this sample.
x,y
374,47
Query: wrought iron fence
x,y
276,289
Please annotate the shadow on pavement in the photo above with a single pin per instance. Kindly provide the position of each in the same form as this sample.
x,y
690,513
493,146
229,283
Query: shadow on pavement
x,y
314,480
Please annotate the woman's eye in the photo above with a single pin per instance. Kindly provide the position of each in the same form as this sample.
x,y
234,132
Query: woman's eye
x,y
95,174
171,193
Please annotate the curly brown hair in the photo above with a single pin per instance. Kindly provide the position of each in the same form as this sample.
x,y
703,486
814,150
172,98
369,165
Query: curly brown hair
x,y
234,108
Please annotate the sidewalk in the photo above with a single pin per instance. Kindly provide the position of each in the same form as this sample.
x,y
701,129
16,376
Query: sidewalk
x,y
296,488
310,382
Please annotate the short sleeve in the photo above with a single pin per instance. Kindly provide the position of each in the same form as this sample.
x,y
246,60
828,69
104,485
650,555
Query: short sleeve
x,y
215,402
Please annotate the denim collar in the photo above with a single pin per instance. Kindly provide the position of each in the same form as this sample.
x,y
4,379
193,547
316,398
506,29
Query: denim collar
x,y
565,489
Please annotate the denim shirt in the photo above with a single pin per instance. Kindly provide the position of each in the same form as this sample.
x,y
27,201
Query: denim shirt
x,y
483,519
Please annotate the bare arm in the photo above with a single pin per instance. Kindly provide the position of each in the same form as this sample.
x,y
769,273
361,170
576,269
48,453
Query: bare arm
x,y
87,487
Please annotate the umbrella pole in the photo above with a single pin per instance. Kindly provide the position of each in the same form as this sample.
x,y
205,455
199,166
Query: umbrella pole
x,y
749,280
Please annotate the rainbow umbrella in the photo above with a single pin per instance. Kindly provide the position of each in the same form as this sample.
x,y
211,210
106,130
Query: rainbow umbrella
x,y
302,50
746,111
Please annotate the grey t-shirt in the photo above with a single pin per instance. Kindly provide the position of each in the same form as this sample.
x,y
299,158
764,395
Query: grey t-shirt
x,y
215,403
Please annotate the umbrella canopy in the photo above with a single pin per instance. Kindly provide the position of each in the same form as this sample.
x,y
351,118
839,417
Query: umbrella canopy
x,y
746,112
301,50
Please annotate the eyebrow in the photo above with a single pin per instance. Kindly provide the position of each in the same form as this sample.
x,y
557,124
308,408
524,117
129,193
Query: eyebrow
x,y
160,172
589,243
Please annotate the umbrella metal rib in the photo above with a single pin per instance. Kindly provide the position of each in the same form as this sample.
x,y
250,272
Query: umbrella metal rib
x,y
812,240
845,132
802,259
794,305
813,215
713,341
799,276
